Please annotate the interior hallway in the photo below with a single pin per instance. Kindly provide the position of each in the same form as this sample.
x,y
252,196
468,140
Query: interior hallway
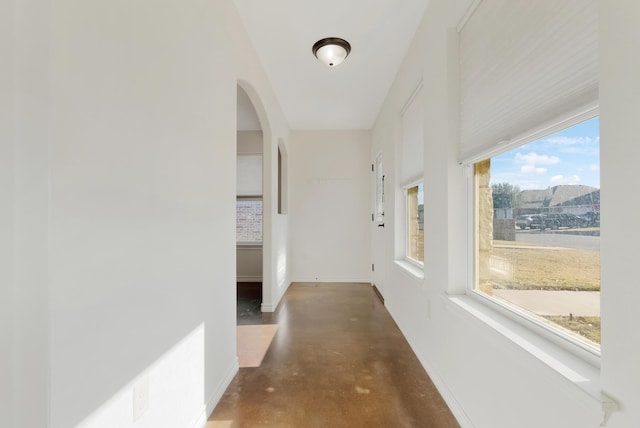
x,y
337,360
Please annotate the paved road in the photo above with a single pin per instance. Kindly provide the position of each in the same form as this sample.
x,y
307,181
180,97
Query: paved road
x,y
559,239
543,302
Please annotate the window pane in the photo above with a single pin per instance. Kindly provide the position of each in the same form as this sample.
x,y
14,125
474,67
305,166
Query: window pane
x,y
379,189
279,181
249,221
538,229
415,223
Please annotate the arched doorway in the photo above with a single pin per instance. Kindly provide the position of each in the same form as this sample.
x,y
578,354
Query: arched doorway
x,y
249,211
254,208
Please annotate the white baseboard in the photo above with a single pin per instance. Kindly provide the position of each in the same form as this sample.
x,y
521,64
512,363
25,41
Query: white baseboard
x,y
271,307
447,395
359,279
222,387
443,389
249,279
202,418
267,308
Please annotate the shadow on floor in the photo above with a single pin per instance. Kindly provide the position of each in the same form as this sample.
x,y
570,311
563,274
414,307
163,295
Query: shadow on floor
x,y
249,300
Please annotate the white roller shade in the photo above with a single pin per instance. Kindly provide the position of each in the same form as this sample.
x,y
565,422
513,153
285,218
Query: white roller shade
x,y
249,175
525,65
412,166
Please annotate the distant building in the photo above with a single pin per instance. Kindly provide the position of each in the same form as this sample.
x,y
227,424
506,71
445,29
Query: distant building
x,y
576,199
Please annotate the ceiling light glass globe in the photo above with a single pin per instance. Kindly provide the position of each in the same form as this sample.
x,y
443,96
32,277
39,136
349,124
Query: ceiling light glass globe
x,y
331,55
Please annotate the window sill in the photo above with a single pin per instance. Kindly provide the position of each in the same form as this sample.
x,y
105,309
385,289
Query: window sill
x,y
248,244
414,271
579,372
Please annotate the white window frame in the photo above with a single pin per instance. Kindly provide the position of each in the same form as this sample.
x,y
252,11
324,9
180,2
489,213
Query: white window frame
x,y
405,193
409,266
578,348
379,196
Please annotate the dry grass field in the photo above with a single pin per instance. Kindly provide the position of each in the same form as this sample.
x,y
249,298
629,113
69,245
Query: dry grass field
x,y
588,327
548,269
552,269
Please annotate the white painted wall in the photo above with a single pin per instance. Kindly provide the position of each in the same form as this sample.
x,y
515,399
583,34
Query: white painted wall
x,y
249,142
493,378
7,136
120,197
249,263
330,205
249,165
142,219
619,105
29,293
280,246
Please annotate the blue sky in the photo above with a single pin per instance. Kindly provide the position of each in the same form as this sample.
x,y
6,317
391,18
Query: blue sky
x,y
571,156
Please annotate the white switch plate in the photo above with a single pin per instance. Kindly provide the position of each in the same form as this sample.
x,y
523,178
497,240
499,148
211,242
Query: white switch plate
x,y
140,398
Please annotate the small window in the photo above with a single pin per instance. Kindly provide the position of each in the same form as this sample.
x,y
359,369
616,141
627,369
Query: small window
x,y
379,206
537,242
415,223
282,179
249,221
279,181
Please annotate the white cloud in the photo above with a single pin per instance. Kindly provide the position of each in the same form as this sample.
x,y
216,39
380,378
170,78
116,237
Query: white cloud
x,y
535,159
580,150
532,169
560,179
594,167
569,141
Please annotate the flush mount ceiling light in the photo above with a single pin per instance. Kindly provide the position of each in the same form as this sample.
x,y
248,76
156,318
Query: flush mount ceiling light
x,y
331,51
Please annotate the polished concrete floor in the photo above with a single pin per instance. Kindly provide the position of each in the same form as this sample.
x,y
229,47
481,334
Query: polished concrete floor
x,y
336,360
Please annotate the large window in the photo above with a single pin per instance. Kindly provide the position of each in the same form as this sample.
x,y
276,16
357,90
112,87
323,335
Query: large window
x,y
249,220
537,241
415,223
411,175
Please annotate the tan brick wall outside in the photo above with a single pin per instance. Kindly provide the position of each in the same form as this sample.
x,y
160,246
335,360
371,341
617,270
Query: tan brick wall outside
x,y
484,231
504,229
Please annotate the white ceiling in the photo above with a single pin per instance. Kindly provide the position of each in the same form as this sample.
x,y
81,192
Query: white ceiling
x,y
312,95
